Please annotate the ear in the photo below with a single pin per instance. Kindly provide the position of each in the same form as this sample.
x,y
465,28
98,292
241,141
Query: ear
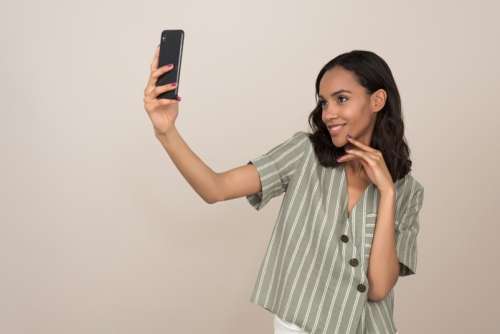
x,y
378,99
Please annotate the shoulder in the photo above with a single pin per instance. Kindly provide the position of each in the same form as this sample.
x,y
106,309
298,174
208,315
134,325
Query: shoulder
x,y
299,140
410,190
301,134
412,185
303,137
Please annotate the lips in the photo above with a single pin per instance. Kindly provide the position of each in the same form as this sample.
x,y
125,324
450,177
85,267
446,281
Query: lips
x,y
336,129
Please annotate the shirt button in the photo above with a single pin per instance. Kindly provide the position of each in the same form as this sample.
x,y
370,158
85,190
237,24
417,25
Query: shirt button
x,y
344,238
353,262
361,287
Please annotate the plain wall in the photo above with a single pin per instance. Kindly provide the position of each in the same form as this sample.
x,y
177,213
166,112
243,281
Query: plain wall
x,y
100,233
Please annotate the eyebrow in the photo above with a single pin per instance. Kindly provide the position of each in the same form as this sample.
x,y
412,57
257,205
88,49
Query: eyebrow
x,y
338,92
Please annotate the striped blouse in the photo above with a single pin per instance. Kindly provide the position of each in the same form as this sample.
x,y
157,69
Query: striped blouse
x,y
314,272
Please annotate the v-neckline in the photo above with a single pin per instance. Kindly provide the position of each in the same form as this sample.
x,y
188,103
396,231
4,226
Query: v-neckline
x,y
346,193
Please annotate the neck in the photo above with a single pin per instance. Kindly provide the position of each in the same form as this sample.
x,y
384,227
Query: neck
x,y
356,169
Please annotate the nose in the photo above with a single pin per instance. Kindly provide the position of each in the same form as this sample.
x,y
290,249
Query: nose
x,y
330,113
330,109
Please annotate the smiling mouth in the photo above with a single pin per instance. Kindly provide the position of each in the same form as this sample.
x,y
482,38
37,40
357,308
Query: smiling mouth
x,y
336,126
334,130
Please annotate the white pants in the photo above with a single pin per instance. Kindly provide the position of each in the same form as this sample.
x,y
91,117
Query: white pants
x,y
284,327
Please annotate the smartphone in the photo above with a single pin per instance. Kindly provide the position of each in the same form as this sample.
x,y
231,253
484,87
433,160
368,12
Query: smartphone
x,y
170,53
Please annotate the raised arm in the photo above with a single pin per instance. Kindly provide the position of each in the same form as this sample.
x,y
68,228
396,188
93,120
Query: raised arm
x,y
238,182
211,186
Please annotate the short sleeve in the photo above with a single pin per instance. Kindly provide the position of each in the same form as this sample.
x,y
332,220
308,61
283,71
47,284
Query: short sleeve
x,y
406,233
276,167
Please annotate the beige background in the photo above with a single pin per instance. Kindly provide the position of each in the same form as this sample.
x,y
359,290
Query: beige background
x,y
101,234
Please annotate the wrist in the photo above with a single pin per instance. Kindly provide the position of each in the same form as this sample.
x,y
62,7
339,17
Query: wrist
x,y
165,136
389,192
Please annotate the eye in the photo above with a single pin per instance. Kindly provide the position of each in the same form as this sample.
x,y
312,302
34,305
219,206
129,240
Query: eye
x,y
342,96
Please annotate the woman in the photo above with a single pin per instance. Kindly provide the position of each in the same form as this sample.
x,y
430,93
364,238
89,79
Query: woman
x,y
348,224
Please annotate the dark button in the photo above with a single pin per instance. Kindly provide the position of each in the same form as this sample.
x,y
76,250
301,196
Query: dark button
x,y
344,238
354,262
361,287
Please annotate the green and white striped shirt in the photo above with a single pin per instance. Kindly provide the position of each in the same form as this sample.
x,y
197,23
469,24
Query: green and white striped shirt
x,y
314,273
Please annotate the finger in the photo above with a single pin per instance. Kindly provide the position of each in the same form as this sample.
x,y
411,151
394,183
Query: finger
x,y
360,144
148,99
154,103
347,157
362,155
150,105
154,63
158,72
350,157
157,90
154,77
153,68
166,102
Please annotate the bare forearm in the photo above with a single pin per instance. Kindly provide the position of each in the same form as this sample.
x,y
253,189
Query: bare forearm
x,y
383,269
201,177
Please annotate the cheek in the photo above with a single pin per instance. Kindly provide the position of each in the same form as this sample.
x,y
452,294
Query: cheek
x,y
356,120
359,125
356,115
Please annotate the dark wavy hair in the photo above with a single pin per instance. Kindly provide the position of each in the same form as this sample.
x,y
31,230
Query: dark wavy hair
x,y
373,73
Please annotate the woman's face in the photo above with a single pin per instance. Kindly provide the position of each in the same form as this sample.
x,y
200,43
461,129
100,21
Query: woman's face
x,y
350,104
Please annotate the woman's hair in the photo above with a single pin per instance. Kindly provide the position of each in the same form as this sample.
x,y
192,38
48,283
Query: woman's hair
x,y
373,73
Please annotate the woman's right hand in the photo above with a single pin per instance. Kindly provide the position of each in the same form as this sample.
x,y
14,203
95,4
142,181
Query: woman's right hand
x,y
162,112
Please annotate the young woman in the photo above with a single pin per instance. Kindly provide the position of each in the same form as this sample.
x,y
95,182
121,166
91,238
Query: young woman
x,y
348,224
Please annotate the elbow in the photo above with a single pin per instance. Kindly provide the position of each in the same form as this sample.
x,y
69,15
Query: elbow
x,y
213,199
210,201
379,291
216,195
377,295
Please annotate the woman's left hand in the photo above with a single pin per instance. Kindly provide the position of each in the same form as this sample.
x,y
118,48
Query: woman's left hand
x,y
373,163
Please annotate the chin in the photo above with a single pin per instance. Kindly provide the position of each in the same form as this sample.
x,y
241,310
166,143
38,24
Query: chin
x,y
340,141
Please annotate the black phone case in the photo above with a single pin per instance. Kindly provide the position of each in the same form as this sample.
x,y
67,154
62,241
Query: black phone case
x,y
170,53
